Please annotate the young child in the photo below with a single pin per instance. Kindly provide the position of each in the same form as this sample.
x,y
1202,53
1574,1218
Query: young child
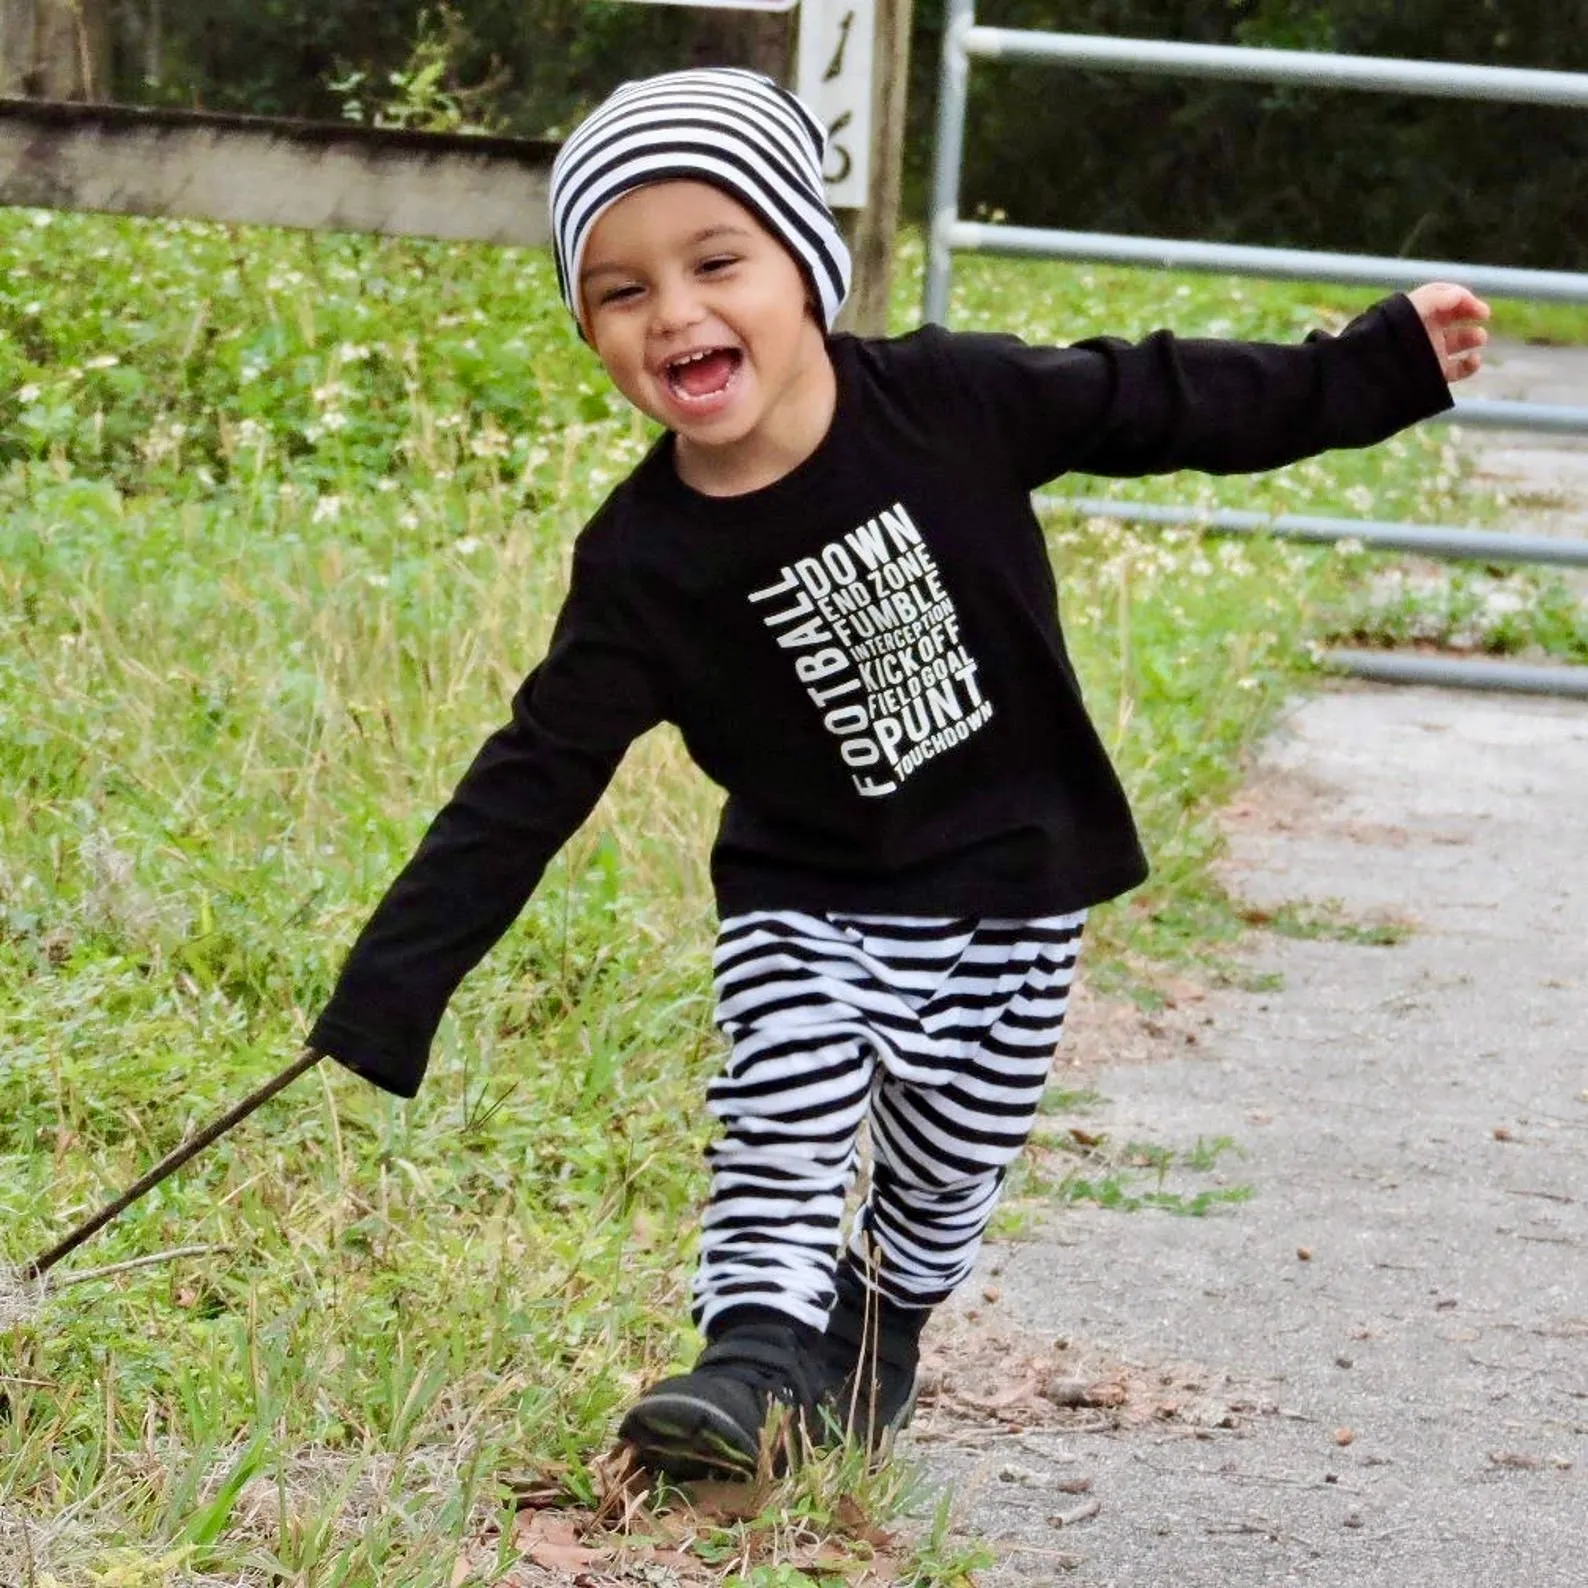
x,y
827,573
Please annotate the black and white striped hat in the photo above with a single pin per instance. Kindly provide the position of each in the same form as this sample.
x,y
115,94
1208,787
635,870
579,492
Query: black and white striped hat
x,y
735,129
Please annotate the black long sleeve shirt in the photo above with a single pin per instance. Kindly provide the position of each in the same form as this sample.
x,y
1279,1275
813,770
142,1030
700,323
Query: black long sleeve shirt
x,y
866,654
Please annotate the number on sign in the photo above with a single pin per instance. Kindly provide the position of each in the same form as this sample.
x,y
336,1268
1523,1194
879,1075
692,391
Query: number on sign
x,y
836,65
835,58
839,160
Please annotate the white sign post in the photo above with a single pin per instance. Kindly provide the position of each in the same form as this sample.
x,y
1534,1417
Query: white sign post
x,y
833,77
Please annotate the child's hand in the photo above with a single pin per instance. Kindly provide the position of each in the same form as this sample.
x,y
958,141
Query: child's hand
x,y
1452,316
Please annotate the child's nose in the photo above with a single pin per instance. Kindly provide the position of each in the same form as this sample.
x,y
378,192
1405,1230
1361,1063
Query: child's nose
x,y
675,305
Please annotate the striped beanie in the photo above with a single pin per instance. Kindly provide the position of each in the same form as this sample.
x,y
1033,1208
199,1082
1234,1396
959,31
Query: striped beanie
x,y
733,128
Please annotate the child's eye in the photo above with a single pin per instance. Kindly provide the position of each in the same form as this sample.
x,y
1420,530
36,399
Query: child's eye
x,y
619,294
718,262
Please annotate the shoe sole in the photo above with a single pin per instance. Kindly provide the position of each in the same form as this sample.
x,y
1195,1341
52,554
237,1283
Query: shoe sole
x,y
686,1436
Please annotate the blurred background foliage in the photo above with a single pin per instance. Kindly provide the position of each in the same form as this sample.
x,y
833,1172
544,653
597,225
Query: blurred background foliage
x,y
1249,163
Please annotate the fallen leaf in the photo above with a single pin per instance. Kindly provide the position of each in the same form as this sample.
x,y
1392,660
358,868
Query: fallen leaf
x,y
553,1542
853,1518
718,1500
652,1555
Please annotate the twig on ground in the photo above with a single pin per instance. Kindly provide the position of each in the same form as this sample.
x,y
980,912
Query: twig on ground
x,y
1267,1479
1083,1512
1260,1527
63,1280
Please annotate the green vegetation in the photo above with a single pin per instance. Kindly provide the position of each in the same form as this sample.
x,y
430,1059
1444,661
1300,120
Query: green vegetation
x,y
1514,611
1085,1167
284,521
1069,1100
1325,921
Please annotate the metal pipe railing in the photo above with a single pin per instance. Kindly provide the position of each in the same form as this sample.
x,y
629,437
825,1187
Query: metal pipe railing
x,y
1484,414
1514,678
1306,68
953,85
1237,259
1428,540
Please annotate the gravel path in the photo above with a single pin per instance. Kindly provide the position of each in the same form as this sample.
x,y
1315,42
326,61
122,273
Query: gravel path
x,y
1374,1372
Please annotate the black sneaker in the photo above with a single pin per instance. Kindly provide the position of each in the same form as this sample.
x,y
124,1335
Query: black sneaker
x,y
869,1360
710,1421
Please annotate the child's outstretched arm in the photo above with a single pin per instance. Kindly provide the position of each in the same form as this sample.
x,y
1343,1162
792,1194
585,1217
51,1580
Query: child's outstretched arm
x,y
1110,407
1453,318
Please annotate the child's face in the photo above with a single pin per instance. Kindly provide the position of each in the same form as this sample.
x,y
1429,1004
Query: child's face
x,y
701,318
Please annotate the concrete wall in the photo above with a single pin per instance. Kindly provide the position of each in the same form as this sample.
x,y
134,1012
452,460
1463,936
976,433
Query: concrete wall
x,y
273,173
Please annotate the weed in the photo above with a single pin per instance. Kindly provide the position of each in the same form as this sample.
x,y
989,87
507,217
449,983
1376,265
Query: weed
x,y
1064,1100
1246,980
1324,921
1123,1178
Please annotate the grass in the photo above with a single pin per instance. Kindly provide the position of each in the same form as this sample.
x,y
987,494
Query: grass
x,y
1085,1167
283,520
1522,612
1325,921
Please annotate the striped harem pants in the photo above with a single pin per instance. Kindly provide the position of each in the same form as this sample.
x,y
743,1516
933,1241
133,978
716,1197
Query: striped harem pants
x,y
937,1034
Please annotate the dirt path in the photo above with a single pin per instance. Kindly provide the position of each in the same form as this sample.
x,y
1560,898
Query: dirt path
x,y
1374,1372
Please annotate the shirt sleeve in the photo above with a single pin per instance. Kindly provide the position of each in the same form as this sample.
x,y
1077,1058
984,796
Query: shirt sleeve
x,y
1111,407
527,791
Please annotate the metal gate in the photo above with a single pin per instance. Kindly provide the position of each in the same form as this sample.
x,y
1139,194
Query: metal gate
x,y
964,40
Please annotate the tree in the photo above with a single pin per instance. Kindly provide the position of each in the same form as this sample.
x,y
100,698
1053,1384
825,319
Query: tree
x,y
55,49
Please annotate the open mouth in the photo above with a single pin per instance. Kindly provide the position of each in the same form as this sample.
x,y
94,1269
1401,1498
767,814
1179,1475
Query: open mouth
x,y
706,373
